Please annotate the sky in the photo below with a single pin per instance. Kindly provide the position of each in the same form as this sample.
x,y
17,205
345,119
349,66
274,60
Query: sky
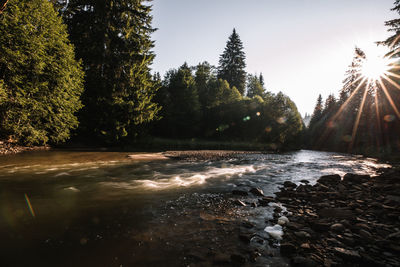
x,y
302,47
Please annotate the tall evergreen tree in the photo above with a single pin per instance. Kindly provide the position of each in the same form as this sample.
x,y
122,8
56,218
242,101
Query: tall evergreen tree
x,y
261,79
113,38
393,42
232,63
40,80
180,101
317,114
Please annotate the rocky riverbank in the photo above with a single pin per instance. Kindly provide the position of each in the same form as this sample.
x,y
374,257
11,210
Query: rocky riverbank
x,y
193,155
349,221
7,148
354,221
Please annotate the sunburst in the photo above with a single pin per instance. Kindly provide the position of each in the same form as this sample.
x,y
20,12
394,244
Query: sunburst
x,y
375,68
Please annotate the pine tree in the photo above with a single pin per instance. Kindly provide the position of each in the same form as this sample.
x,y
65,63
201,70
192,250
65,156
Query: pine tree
x,y
255,86
113,38
204,77
317,114
40,80
180,101
393,42
353,74
232,63
261,79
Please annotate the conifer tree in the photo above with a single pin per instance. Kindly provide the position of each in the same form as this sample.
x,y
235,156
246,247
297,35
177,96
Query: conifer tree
x,y
393,42
232,63
317,114
113,38
40,80
255,86
180,101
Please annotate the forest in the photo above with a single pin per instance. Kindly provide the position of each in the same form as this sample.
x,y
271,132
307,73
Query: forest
x,y
81,72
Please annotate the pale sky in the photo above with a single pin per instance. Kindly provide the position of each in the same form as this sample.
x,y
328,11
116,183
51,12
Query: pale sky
x,y
302,47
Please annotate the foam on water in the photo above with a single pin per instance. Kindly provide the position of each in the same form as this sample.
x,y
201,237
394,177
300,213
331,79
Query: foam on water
x,y
275,231
164,181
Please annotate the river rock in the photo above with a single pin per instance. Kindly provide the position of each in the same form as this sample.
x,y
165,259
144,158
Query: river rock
x,y
289,184
302,235
240,203
303,262
257,192
329,179
240,193
288,248
347,254
283,220
341,213
337,228
263,202
355,178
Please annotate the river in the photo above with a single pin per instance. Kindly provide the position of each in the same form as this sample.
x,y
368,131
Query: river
x,y
68,208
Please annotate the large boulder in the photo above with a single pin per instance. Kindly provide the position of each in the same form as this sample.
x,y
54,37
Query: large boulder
x,y
333,179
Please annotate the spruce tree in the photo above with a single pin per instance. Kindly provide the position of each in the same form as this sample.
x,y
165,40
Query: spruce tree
x,y
317,114
180,101
113,38
255,86
232,63
40,80
393,42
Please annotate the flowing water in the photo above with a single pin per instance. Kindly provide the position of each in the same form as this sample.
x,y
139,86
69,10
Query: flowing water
x,y
61,208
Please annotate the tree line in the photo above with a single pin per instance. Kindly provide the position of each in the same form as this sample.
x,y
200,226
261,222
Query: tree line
x,y
82,69
365,118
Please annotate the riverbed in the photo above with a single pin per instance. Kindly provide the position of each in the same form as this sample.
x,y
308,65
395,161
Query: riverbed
x,y
69,208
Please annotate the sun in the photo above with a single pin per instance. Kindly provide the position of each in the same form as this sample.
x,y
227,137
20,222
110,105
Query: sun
x,y
375,65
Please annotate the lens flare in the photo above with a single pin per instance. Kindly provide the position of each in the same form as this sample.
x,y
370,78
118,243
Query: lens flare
x,y
28,202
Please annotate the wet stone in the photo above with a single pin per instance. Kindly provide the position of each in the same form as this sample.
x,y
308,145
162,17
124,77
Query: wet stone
x,y
304,262
240,193
347,254
289,184
302,235
329,179
288,248
263,202
240,203
257,192
337,228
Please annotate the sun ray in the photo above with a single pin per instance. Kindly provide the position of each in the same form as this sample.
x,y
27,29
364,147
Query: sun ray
x,y
343,106
338,113
391,81
388,73
390,99
378,118
356,124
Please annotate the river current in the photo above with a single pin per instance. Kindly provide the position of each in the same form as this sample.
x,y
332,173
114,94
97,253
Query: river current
x,y
66,208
